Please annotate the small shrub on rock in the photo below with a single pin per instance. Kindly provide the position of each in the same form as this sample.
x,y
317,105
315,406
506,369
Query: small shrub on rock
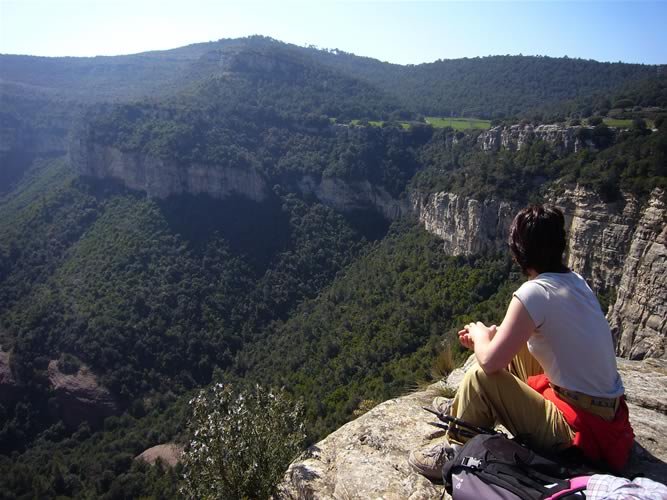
x,y
241,442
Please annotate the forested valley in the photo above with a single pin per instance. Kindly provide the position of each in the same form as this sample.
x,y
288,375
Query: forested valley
x,y
160,296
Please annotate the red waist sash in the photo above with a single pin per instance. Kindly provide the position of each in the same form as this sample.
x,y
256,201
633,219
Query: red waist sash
x,y
598,439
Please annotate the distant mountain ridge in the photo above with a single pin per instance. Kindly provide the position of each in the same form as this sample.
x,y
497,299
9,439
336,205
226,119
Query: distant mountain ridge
x,y
487,86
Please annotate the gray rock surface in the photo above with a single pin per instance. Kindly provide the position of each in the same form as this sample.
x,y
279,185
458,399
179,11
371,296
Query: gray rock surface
x,y
348,196
600,234
466,226
639,316
516,137
367,458
646,391
160,178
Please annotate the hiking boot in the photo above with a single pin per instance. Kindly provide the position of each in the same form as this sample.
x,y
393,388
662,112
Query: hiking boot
x,y
429,461
442,405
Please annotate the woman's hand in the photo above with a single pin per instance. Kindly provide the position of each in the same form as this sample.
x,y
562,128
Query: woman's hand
x,y
476,332
495,347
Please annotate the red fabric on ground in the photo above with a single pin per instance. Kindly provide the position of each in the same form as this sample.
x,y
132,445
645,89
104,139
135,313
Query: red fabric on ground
x,y
598,439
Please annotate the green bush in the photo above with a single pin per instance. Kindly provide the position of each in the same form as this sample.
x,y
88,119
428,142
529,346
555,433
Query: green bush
x,y
69,364
241,443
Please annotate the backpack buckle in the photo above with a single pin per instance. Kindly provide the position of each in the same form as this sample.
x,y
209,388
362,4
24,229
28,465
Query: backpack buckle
x,y
471,462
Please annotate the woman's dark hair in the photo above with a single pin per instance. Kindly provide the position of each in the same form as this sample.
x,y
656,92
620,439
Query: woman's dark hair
x,y
537,239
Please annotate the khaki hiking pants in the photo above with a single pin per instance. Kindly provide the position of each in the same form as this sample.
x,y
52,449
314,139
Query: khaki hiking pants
x,y
504,398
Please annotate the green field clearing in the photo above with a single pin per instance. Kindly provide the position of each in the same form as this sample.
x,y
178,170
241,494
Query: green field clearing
x,y
624,123
615,122
458,123
437,122
370,122
374,123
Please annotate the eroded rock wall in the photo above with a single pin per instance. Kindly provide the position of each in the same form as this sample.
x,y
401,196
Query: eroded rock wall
x,y
516,137
599,235
160,178
465,225
348,196
639,317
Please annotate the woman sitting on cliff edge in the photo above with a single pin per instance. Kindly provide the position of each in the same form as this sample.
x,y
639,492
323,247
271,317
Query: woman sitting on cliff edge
x,y
548,372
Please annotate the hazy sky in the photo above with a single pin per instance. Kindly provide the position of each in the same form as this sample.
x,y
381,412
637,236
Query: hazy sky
x,y
396,31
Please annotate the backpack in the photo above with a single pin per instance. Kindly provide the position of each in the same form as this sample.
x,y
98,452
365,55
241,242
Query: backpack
x,y
494,466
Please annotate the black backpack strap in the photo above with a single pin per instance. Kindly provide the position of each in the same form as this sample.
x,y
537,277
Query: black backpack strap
x,y
510,483
526,476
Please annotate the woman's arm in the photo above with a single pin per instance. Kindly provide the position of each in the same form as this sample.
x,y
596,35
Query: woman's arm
x,y
495,348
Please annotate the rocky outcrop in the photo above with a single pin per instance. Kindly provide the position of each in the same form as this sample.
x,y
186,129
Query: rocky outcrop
x,y
618,246
639,316
349,196
465,225
168,454
599,234
160,177
367,458
80,397
516,137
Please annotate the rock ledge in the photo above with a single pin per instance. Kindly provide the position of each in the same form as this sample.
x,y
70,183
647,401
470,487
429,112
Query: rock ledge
x,y
367,457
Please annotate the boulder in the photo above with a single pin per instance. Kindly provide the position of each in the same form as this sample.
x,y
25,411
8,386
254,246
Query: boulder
x,y
367,457
168,454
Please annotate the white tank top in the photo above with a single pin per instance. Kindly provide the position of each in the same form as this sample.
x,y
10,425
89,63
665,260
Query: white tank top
x,y
572,340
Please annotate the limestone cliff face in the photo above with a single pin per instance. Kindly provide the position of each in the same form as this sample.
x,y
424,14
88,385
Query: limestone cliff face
x,y
516,137
160,178
639,316
617,246
599,233
465,225
348,196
